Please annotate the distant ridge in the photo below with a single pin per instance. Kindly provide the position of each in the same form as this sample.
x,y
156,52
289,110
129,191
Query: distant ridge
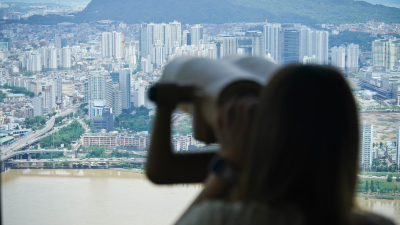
x,y
225,11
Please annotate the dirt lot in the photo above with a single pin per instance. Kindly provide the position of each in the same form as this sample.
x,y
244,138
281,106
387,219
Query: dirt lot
x,y
384,125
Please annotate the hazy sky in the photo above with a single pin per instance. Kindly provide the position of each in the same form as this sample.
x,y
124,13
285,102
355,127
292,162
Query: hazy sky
x,y
48,1
80,1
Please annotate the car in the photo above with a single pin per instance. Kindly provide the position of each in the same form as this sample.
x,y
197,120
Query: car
x,y
132,158
37,159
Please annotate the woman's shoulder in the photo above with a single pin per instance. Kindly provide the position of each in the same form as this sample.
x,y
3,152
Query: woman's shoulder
x,y
367,218
210,212
221,212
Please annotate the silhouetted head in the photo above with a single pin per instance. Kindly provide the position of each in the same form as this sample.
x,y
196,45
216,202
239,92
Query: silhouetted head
x,y
304,147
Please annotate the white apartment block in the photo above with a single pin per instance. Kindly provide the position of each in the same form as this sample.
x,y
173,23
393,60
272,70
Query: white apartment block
x,y
271,35
117,100
106,44
352,57
37,106
118,45
34,63
338,56
385,53
366,141
196,33
141,93
66,58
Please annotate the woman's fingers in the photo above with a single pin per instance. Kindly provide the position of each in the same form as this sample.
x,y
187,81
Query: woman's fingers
x,y
171,94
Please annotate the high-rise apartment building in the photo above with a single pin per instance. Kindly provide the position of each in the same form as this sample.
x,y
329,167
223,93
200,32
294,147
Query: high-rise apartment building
x,y
117,100
366,141
175,36
229,46
96,86
158,55
37,103
289,44
66,58
143,40
385,53
185,37
57,84
352,58
118,45
44,57
271,35
52,60
113,45
141,98
57,41
48,95
145,66
321,42
297,41
106,44
34,63
338,56
196,32
169,35
109,93
125,88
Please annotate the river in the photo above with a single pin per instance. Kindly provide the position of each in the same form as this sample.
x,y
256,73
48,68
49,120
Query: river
x,y
100,196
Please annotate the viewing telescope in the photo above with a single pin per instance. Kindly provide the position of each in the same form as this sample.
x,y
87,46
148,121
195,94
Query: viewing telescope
x,y
215,81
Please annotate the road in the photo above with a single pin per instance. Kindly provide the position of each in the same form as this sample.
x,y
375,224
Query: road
x,y
32,137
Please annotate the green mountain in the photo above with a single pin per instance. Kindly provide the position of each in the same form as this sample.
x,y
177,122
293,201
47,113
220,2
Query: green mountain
x,y
223,11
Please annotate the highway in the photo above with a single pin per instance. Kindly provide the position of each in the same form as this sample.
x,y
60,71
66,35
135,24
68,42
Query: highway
x,y
33,137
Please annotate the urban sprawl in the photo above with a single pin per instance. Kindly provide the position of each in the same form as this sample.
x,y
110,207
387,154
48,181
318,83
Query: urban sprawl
x,y
103,70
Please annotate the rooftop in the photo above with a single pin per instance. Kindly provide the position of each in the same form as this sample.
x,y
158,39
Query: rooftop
x,y
15,95
5,139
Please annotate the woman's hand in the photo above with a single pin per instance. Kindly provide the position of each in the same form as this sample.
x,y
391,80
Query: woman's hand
x,y
233,128
168,95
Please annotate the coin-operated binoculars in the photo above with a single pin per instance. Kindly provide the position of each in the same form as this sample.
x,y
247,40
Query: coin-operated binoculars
x,y
215,81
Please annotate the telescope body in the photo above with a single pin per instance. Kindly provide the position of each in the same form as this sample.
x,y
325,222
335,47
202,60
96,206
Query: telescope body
x,y
216,81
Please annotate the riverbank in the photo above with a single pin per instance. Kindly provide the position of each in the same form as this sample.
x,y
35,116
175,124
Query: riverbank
x,y
133,170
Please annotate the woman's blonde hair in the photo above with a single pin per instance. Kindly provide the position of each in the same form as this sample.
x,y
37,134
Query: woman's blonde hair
x,y
304,146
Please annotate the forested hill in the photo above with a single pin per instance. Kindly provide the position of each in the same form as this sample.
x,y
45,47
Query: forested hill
x,y
223,11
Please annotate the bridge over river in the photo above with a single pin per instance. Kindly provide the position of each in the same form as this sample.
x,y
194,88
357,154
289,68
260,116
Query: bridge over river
x,y
88,161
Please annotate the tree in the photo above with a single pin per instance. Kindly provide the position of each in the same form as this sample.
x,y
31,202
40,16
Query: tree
x,y
372,186
74,101
17,127
389,178
42,120
398,179
366,186
381,144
